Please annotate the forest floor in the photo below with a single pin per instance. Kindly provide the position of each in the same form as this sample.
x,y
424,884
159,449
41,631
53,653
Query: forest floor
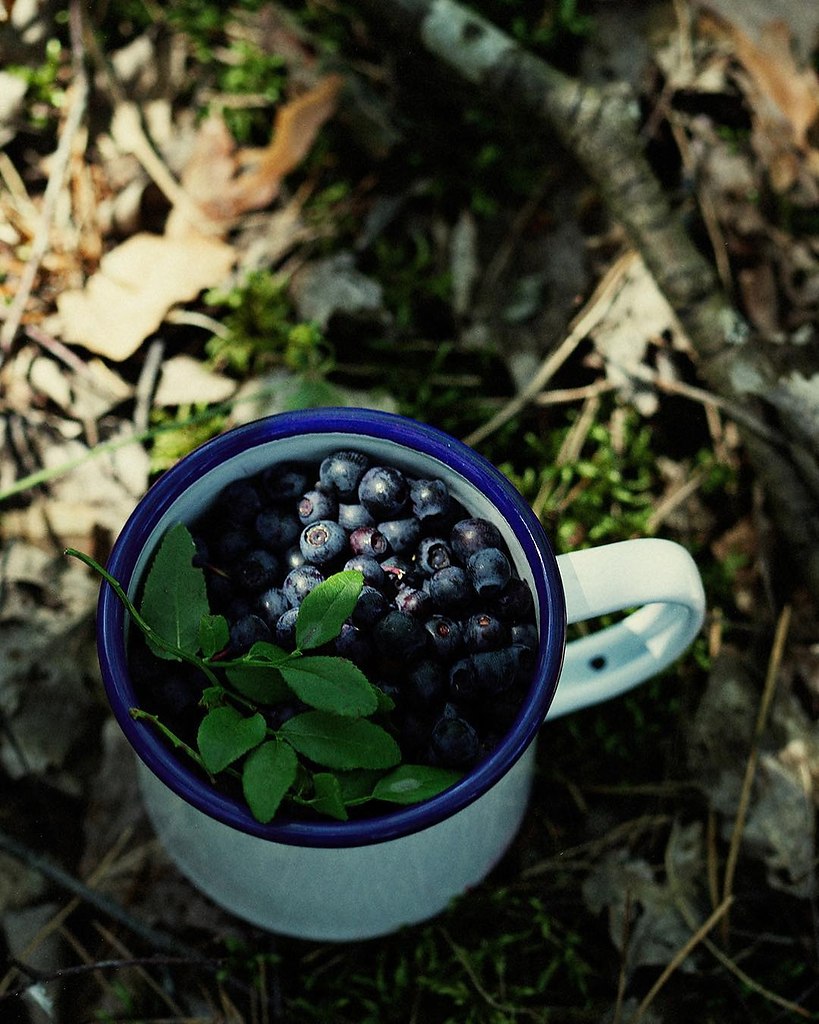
x,y
210,214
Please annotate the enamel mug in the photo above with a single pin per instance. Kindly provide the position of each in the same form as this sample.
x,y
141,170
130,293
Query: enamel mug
x,y
331,880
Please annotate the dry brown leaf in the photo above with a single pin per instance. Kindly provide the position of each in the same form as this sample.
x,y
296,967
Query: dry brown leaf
x,y
137,283
225,182
183,378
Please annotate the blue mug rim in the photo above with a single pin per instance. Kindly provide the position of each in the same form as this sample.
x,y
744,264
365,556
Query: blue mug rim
x,y
419,438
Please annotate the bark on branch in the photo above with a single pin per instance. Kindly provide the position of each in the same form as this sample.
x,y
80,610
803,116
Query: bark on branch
x,y
599,127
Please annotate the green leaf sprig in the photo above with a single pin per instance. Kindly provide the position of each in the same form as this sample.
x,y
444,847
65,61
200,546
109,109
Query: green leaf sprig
x,y
329,758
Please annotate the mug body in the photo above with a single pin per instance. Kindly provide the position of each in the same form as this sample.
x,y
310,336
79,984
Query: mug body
x,y
329,879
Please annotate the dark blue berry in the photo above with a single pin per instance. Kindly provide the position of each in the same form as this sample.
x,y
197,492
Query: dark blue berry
x,y
258,570
400,637
368,541
273,604
489,571
285,632
430,498
370,568
433,553
353,643
484,632
277,528
450,588
426,684
524,634
412,601
285,482
401,534
445,635
383,491
239,502
455,743
514,602
232,545
300,581
353,516
293,557
471,535
315,505
247,631
463,683
496,671
323,542
343,471
370,606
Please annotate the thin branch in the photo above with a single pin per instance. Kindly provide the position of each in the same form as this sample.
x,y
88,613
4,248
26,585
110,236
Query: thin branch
x,y
73,121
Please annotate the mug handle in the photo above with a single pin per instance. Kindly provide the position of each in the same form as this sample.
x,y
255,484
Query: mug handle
x,y
661,577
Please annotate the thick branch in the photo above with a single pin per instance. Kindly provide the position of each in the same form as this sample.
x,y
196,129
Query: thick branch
x,y
599,127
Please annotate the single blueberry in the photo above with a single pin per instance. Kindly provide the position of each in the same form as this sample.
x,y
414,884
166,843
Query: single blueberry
x,y
450,588
272,605
300,581
239,502
473,534
370,568
257,570
353,643
484,632
426,684
232,545
371,605
430,498
342,471
400,637
293,557
401,534
247,631
284,482
496,671
369,541
445,635
524,634
286,629
514,603
323,542
351,516
432,554
383,491
489,571
412,601
277,528
315,505
454,741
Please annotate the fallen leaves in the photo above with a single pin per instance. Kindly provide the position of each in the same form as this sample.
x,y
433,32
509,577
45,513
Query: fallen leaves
x,y
140,280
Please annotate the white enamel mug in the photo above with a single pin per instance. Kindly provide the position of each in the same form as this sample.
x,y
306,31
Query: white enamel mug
x,y
331,880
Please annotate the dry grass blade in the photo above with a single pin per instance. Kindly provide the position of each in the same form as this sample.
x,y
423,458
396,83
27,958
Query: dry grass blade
x,y
774,662
591,313
679,957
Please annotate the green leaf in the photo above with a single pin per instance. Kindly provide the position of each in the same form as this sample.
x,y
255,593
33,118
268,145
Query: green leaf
x,y
341,743
225,735
261,683
325,609
267,774
328,798
214,634
331,684
174,599
262,650
411,783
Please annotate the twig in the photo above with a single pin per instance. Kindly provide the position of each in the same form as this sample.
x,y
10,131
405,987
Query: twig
x,y
679,958
774,662
39,246
110,908
146,385
590,315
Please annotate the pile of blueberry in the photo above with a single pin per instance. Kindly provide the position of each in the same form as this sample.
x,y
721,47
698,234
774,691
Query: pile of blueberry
x,y
443,624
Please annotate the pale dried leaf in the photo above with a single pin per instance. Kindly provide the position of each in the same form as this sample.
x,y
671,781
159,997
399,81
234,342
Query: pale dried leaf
x,y
225,182
185,379
753,16
636,314
136,285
